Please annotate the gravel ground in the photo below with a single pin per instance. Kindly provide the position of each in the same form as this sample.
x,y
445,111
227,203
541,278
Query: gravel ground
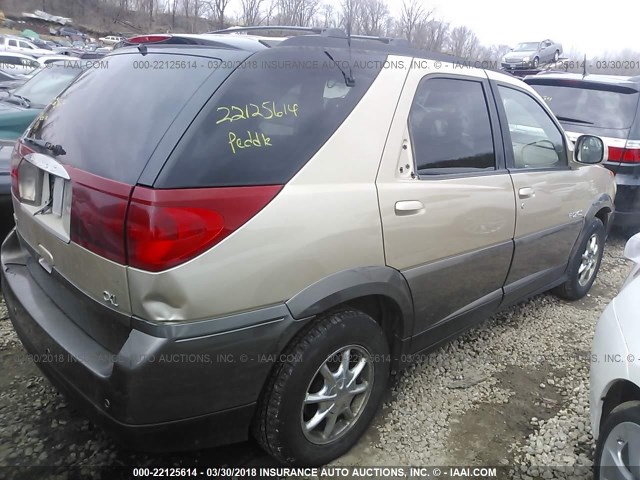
x,y
513,391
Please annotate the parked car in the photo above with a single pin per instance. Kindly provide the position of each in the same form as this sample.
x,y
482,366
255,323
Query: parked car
x,y
111,39
22,105
18,64
10,43
48,59
10,82
69,32
532,54
229,259
615,379
606,106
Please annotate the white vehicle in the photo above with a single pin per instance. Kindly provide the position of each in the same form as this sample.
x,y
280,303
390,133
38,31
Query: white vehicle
x,y
47,59
10,43
18,64
111,39
615,379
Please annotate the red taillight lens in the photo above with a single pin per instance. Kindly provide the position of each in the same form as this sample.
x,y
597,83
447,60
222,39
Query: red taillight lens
x,y
19,151
169,227
98,213
624,155
148,38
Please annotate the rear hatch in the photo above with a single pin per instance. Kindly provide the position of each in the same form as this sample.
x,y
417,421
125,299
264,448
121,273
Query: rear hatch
x,y
605,109
74,170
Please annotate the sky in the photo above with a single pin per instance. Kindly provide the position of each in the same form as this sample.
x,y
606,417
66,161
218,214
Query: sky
x,y
592,27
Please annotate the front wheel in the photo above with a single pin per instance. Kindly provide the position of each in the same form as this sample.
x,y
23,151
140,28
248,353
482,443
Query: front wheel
x,y
556,56
584,265
536,62
617,451
321,400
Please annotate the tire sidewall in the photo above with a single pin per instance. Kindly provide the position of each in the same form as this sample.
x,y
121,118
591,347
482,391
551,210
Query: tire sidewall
x,y
579,291
627,412
361,330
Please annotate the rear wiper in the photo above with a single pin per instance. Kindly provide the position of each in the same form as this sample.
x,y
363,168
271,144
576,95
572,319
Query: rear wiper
x,y
574,120
55,149
349,81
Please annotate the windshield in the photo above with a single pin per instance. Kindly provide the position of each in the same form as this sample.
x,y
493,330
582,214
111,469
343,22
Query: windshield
x,y
47,84
581,104
526,47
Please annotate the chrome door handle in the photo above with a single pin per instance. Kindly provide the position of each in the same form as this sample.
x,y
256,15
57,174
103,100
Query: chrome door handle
x,y
409,207
526,192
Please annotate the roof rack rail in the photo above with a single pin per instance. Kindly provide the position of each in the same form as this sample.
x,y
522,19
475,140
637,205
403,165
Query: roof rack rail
x,y
316,30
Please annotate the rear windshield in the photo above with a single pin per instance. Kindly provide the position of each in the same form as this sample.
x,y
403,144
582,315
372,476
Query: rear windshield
x,y
111,119
591,106
45,85
270,117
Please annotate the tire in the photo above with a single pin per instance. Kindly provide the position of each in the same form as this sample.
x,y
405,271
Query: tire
x,y
556,56
577,284
622,423
278,426
536,62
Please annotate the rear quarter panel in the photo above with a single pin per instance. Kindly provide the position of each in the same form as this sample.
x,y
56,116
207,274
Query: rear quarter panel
x,y
325,220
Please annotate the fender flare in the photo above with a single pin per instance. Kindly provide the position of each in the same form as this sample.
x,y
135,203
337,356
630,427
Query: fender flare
x,y
354,283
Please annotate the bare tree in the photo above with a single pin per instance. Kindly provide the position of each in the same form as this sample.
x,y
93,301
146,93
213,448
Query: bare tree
x,y
412,16
350,15
297,12
219,7
373,17
251,12
463,42
328,16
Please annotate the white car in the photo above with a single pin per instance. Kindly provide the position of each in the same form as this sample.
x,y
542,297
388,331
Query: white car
x,y
615,379
111,39
10,43
47,59
17,63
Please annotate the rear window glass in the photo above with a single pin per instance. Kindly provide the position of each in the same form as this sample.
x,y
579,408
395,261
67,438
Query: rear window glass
x,y
110,120
269,118
589,106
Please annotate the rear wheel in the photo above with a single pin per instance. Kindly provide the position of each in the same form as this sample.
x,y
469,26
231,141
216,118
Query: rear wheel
x,y
536,62
584,265
618,448
321,400
556,56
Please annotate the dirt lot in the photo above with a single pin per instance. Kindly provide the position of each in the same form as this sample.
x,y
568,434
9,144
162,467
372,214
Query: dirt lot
x,y
513,392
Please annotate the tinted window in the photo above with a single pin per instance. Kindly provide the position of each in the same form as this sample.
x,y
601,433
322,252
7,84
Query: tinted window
x,y
13,43
9,60
536,141
591,106
110,120
450,127
269,118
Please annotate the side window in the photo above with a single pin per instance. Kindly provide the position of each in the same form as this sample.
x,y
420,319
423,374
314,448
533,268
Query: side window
x,y
537,142
450,127
9,60
25,45
13,43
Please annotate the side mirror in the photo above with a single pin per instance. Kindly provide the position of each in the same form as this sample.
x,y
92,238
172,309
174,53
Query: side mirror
x,y
590,150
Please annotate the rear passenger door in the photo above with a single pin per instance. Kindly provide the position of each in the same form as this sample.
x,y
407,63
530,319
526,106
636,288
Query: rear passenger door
x,y
446,200
551,196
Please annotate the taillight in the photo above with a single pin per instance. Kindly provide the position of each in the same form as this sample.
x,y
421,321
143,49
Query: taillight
x,y
148,39
98,213
19,151
169,227
629,154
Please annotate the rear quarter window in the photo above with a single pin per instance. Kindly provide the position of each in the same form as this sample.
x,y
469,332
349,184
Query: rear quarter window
x,y
269,118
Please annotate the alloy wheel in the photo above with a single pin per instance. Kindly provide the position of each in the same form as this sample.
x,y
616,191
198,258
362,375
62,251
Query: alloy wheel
x,y
620,457
589,260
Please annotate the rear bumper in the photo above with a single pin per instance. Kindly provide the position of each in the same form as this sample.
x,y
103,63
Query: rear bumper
x,y
168,388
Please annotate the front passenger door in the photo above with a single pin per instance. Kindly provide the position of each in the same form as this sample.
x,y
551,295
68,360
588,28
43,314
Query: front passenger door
x,y
550,196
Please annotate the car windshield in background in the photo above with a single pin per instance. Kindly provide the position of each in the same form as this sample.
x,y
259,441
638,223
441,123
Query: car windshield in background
x,y
44,86
591,106
526,47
